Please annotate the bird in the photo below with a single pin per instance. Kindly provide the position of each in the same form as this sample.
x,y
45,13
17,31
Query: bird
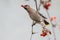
x,y
37,17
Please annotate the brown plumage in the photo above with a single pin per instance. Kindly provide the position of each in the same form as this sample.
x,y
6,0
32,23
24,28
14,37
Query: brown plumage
x,y
37,17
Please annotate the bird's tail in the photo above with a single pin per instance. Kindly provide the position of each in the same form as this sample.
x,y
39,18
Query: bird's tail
x,y
46,23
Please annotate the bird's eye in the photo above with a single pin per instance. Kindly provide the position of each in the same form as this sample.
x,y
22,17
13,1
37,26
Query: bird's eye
x,y
25,8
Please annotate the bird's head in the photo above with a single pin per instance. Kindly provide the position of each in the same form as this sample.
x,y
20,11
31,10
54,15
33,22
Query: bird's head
x,y
25,6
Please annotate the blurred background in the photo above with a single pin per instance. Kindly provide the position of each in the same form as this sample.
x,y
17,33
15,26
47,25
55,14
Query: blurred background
x,y
15,23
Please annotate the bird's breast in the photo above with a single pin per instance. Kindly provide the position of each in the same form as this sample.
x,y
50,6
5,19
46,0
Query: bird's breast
x,y
35,17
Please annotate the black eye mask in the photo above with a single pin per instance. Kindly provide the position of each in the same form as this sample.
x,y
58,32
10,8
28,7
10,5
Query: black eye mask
x,y
25,8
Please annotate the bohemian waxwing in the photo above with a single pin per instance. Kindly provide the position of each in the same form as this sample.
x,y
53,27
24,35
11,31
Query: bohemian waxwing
x,y
36,17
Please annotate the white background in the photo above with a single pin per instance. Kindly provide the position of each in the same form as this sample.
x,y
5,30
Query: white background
x,y
15,23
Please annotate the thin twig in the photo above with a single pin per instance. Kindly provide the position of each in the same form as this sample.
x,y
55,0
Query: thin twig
x,y
51,24
43,26
31,37
31,33
39,7
36,5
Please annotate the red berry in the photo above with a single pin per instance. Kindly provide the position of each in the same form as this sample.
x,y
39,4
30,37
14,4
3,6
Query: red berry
x,y
44,34
47,5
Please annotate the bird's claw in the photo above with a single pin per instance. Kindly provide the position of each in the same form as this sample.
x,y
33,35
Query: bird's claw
x,y
33,24
34,32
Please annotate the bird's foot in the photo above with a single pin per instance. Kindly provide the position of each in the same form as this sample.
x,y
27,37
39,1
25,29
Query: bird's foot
x,y
34,32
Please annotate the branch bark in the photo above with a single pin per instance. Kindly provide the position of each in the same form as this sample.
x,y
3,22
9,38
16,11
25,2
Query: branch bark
x,y
51,24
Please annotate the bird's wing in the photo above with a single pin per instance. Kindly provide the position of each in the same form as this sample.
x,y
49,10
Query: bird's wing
x,y
42,15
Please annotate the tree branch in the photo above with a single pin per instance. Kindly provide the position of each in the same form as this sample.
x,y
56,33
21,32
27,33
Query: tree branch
x,y
51,24
36,5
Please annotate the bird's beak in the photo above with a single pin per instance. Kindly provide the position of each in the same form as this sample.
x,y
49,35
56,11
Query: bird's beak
x,y
22,6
